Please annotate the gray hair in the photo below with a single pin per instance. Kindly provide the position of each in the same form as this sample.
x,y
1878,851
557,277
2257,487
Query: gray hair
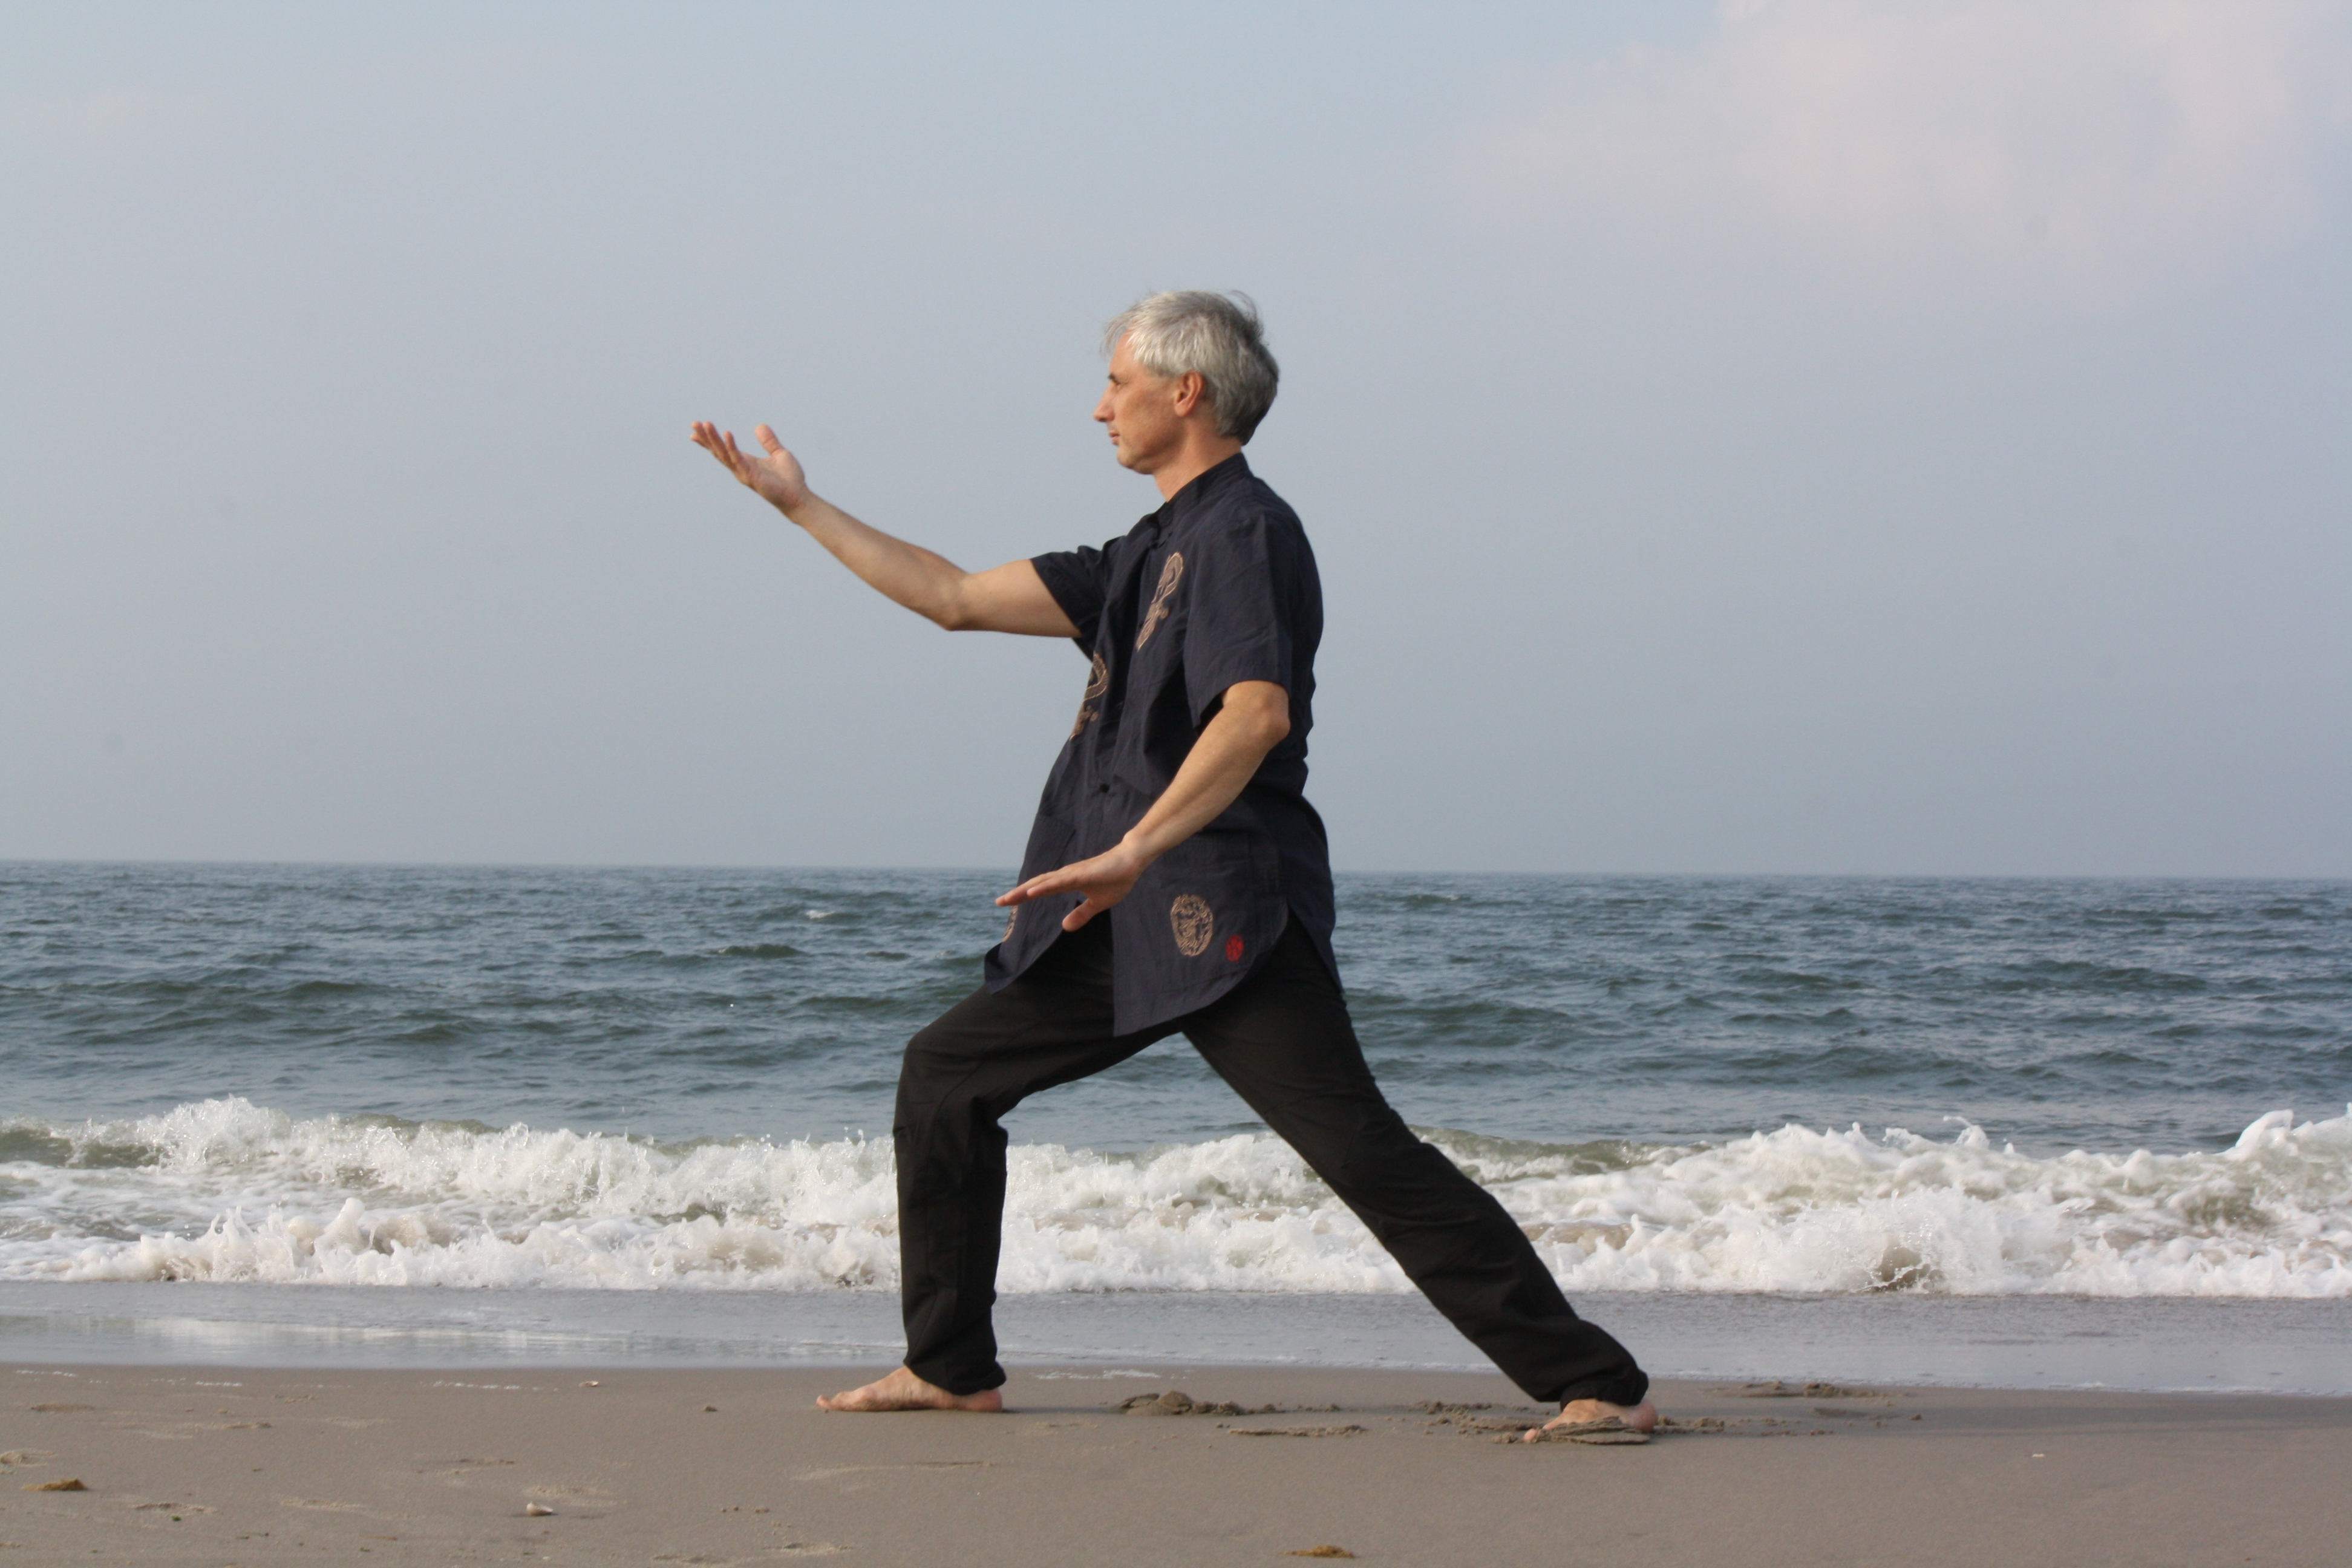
x,y
1218,336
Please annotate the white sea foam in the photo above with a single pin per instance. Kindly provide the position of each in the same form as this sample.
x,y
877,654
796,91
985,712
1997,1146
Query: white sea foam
x,y
226,1191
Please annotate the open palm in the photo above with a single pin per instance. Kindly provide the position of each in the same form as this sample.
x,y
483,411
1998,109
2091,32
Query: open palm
x,y
777,477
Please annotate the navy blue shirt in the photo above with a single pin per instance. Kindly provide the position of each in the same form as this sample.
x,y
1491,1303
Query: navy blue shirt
x,y
1217,587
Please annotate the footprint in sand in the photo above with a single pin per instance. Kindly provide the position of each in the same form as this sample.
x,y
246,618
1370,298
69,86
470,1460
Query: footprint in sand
x,y
836,1471
461,1471
1779,1390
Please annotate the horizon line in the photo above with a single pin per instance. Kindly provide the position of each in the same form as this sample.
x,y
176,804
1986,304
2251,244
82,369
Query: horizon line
x,y
1001,871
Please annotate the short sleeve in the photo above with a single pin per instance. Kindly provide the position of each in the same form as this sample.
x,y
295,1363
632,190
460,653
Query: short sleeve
x,y
1078,579
1238,627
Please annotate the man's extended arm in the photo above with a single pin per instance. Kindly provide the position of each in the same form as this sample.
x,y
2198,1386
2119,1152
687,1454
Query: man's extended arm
x,y
1011,598
1251,719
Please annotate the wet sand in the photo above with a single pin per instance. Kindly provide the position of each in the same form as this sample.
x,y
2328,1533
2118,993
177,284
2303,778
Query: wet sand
x,y
221,1467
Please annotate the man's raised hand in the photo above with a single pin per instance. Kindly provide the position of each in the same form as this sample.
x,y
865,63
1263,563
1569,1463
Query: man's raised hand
x,y
776,476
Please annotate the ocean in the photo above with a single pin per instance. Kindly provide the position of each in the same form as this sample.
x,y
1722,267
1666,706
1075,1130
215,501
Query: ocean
x,y
2040,1131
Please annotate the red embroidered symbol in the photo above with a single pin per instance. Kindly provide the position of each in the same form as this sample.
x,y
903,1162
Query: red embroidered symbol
x,y
1234,948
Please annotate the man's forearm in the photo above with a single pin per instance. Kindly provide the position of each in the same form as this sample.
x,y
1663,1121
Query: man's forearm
x,y
1252,720
924,581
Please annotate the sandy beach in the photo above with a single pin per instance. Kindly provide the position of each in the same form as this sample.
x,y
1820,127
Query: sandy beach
x,y
203,1465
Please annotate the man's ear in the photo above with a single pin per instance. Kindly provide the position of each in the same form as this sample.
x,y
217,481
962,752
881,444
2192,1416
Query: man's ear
x,y
1191,388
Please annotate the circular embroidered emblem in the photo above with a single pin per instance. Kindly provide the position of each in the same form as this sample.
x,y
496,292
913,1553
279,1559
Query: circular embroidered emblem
x,y
1234,948
1193,922
1010,921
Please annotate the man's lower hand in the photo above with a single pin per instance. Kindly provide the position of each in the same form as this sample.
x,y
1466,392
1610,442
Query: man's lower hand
x,y
1105,880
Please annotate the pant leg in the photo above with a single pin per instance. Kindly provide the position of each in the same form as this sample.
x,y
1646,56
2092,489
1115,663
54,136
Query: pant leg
x,y
1283,1040
961,1076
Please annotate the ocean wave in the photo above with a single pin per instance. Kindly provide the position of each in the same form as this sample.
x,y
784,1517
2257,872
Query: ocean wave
x,y
226,1191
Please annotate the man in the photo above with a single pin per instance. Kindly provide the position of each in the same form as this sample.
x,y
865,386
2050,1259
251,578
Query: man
x,y
1176,880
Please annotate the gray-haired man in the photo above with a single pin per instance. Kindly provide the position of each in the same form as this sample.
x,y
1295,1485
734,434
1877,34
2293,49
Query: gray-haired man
x,y
1177,813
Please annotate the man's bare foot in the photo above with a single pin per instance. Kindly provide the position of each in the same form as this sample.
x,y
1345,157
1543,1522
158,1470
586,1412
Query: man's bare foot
x,y
902,1390
1599,1416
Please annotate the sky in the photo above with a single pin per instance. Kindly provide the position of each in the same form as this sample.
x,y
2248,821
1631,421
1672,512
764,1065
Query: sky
x,y
1805,437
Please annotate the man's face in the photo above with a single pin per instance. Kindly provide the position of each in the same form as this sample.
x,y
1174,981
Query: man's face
x,y
1139,409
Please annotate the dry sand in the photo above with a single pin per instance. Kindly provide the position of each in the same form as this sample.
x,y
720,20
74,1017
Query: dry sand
x,y
207,1466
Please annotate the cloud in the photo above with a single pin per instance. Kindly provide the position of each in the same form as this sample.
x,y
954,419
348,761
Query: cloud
x,y
2095,143
124,119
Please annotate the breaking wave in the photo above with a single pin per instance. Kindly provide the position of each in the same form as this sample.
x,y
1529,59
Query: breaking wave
x,y
226,1191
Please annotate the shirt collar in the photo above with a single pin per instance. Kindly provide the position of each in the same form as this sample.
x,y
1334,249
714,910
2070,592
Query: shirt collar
x,y
1205,487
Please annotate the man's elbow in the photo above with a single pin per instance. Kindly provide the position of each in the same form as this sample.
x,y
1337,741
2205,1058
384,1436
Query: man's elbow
x,y
953,612
1264,710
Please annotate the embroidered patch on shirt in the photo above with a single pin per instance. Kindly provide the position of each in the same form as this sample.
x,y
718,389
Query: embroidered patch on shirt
x,y
1097,682
1234,948
1170,575
1193,922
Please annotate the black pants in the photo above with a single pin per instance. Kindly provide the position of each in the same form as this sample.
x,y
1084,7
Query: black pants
x,y
1282,1040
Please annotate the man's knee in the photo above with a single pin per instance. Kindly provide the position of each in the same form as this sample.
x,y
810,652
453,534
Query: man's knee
x,y
926,1069
1368,1146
